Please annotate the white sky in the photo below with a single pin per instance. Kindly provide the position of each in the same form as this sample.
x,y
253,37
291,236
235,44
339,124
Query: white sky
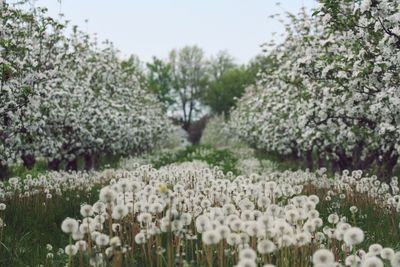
x,y
154,27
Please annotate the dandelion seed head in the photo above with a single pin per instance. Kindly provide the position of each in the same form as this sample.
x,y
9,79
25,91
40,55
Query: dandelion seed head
x,y
102,240
266,247
323,257
371,262
69,226
247,253
71,250
353,236
211,237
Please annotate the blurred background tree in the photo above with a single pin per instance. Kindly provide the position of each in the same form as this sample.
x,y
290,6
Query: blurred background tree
x,y
159,80
193,87
222,93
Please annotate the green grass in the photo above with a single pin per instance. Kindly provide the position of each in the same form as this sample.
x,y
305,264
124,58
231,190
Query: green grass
x,y
379,224
34,222
282,163
31,225
223,158
40,167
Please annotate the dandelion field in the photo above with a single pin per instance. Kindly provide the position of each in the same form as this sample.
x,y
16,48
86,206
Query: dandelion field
x,y
193,214
295,164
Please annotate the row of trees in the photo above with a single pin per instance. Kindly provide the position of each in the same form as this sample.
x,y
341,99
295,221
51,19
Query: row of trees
x,y
189,83
63,97
332,91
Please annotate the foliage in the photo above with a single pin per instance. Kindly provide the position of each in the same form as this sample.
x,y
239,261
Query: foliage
x,y
215,134
62,97
228,81
159,80
188,72
34,223
17,170
222,158
222,93
35,209
219,64
332,94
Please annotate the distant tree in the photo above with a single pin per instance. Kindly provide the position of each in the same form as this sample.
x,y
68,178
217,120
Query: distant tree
x,y
222,93
228,81
217,65
132,67
159,80
260,64
189,80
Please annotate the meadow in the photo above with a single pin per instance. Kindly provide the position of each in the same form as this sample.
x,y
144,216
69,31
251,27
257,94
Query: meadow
x,y
291,160
192,212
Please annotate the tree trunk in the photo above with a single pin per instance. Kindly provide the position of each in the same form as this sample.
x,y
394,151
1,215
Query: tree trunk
x,y
3,171
88,158
96,159
295,153
335,166
54,165
309,160
320,160
386,166
356,156
186,126
344,162
368,161
72,165
29,161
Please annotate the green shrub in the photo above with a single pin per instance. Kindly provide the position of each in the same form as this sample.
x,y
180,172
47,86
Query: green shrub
x,y
214,157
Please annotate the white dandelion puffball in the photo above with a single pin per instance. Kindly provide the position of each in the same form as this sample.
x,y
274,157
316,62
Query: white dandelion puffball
x,y
107,195
246,263
102,240
375,249
247,253
353,236
333,218
395,261
265,247
71,250
211,237
323,257
140,238
372,262
69,226
387,253
353,261
86,211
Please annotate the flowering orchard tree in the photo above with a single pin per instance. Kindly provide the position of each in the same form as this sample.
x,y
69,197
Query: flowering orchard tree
x,y
366,66
333,95
62,97
27,42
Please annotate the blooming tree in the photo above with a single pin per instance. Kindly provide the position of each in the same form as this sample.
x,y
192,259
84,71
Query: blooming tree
x,y
333,95
64,97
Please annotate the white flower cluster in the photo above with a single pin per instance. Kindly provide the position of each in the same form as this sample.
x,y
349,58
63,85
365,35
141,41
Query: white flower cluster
x,y
216,133
55,184
240,220
332,90
63,96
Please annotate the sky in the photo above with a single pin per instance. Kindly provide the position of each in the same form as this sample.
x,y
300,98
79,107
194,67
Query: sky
x,y
149,28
